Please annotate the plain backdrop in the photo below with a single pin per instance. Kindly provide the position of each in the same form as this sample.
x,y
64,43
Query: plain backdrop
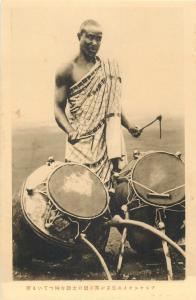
x,y
148,42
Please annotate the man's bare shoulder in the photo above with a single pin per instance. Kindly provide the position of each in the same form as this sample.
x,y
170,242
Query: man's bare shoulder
x,y
64,73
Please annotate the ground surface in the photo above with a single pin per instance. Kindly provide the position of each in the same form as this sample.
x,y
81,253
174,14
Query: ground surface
x,y
31,148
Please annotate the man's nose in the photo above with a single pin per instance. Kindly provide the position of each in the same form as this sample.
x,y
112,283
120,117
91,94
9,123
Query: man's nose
x,y
94,42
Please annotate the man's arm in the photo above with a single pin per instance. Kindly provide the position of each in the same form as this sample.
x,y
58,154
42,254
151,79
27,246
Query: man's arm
x,y
124,121
134,130
61,89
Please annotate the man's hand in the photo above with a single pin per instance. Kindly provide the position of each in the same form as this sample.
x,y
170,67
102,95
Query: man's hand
x,y
135,131
72,136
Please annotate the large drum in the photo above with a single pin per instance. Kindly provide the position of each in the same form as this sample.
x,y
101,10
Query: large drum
x,y
153,187
59,201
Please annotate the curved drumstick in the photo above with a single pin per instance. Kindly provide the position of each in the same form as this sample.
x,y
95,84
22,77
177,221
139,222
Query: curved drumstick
x,y
158,118
160,129
92,247
117,220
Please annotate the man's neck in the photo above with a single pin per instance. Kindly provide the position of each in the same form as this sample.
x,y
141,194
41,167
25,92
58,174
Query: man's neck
x,y
84,59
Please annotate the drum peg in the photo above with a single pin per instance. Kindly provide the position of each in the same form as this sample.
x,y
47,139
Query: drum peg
x,y
183,225
50,160
48,225
161,225
29,191
116,175
136,154
178,154
82,236
124,208
111,190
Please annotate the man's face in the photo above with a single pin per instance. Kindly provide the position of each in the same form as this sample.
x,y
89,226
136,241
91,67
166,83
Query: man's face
x,y
90,40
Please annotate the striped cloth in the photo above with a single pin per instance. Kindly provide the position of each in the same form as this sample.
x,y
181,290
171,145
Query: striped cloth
x,y
94,110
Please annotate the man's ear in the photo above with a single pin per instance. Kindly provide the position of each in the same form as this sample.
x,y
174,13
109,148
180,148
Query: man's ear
x,y
79,35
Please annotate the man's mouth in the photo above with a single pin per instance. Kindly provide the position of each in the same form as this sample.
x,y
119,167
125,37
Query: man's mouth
x,y
93,50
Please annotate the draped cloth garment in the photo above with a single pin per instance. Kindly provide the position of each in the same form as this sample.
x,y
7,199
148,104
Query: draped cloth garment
x,y
94,111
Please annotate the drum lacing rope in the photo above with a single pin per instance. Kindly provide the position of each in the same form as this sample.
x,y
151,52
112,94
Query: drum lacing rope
x,y
176,210
49,221
43,189
182,205
164,209
130,164
138,183
176,188
134,197
129,192
130,180
165,192
135,208
87,226
78,227
158,217
152,191
172,205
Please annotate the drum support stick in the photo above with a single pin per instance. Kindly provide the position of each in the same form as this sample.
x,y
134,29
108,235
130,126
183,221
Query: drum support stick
x,y
168,260
92,247
123,240
122,249
166,252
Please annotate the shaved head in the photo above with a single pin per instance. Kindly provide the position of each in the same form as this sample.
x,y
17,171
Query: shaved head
x,y
90,24
90,36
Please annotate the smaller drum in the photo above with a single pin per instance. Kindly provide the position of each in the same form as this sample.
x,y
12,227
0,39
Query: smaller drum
x,y
60,201
153,187
157,178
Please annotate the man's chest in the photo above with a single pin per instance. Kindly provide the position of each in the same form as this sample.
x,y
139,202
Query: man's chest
x,y
79,72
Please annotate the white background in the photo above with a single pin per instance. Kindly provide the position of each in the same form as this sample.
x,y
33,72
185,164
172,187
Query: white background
x,y
148,42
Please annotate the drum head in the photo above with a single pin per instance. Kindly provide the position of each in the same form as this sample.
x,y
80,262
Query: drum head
x,y
77,191
158,178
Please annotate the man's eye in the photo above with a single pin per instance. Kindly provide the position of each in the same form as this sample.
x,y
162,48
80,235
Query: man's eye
x,y
98,38
93,37
90,37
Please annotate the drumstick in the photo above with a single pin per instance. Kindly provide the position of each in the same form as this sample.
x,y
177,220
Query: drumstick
x,y
117,220
160,119
157,118
93,248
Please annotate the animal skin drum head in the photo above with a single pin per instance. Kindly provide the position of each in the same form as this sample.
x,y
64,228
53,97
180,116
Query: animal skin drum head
x,y
158,178
77,191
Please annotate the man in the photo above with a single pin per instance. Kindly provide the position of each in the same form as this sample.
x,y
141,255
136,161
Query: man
x,y
89,89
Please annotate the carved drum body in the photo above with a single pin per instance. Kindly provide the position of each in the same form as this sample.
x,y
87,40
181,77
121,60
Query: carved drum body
x,y
58,202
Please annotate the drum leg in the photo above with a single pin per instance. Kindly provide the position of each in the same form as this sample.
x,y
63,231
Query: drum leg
x,y
161,226
122,248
